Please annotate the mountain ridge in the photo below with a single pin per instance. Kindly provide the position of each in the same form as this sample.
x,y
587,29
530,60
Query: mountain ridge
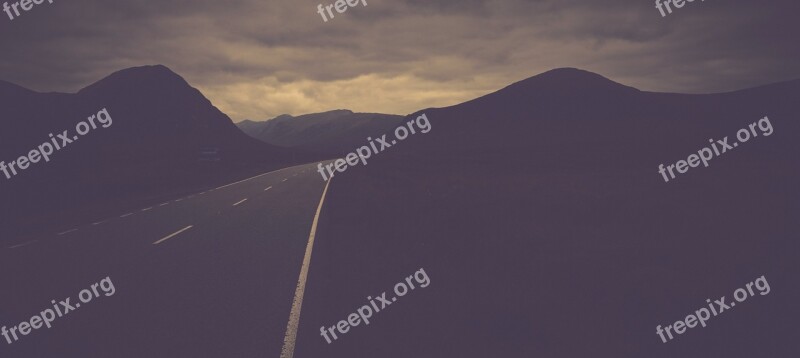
x,y
331,133
166,137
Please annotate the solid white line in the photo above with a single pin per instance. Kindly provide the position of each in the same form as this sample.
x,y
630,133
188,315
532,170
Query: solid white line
x,y
126,215
23,244
68,231
268,188
243,200
294,316
173,234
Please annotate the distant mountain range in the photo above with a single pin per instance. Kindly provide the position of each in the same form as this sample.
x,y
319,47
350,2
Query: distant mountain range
x,y
333,133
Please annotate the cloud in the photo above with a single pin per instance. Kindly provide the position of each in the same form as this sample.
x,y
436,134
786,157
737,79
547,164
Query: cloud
x,y
366,93
257,59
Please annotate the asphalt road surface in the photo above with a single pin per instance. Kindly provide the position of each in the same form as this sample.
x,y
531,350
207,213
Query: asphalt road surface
x,y
213,274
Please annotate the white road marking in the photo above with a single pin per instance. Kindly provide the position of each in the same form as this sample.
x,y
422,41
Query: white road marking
x,y
99,222
172,235
162,204
268,188
68,231
241,201
177,200
241,181
285,179
294,316
145,209
23,244
126,215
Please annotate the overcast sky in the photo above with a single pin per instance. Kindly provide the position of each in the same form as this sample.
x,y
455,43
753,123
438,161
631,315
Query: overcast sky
x,y
260,58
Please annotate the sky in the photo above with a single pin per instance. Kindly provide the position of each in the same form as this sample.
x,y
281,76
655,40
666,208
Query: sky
x,y
256,59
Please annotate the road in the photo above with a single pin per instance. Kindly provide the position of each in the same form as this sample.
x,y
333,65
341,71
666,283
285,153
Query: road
x,y
212,274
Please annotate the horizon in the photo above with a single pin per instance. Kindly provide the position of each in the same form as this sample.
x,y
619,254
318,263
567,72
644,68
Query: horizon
x,y
260,60
264,119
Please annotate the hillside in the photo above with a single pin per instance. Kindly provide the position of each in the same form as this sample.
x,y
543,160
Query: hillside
x,y
546,194
164,138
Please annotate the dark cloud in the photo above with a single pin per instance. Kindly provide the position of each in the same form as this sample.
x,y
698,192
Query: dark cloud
x,y
258,59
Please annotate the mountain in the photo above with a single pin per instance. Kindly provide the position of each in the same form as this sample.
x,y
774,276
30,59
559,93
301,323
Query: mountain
x,y
251,128
333,133
165,137
547,195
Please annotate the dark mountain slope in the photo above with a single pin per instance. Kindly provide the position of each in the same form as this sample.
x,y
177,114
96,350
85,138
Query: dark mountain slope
x,y
165,138
546,229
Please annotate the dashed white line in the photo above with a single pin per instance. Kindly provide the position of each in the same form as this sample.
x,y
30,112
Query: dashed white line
x,y
177,200
172,235
268,188
99,222
145,209
126,215
285,179
241,201
240,181
68,231
23,244
162,204
294,316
